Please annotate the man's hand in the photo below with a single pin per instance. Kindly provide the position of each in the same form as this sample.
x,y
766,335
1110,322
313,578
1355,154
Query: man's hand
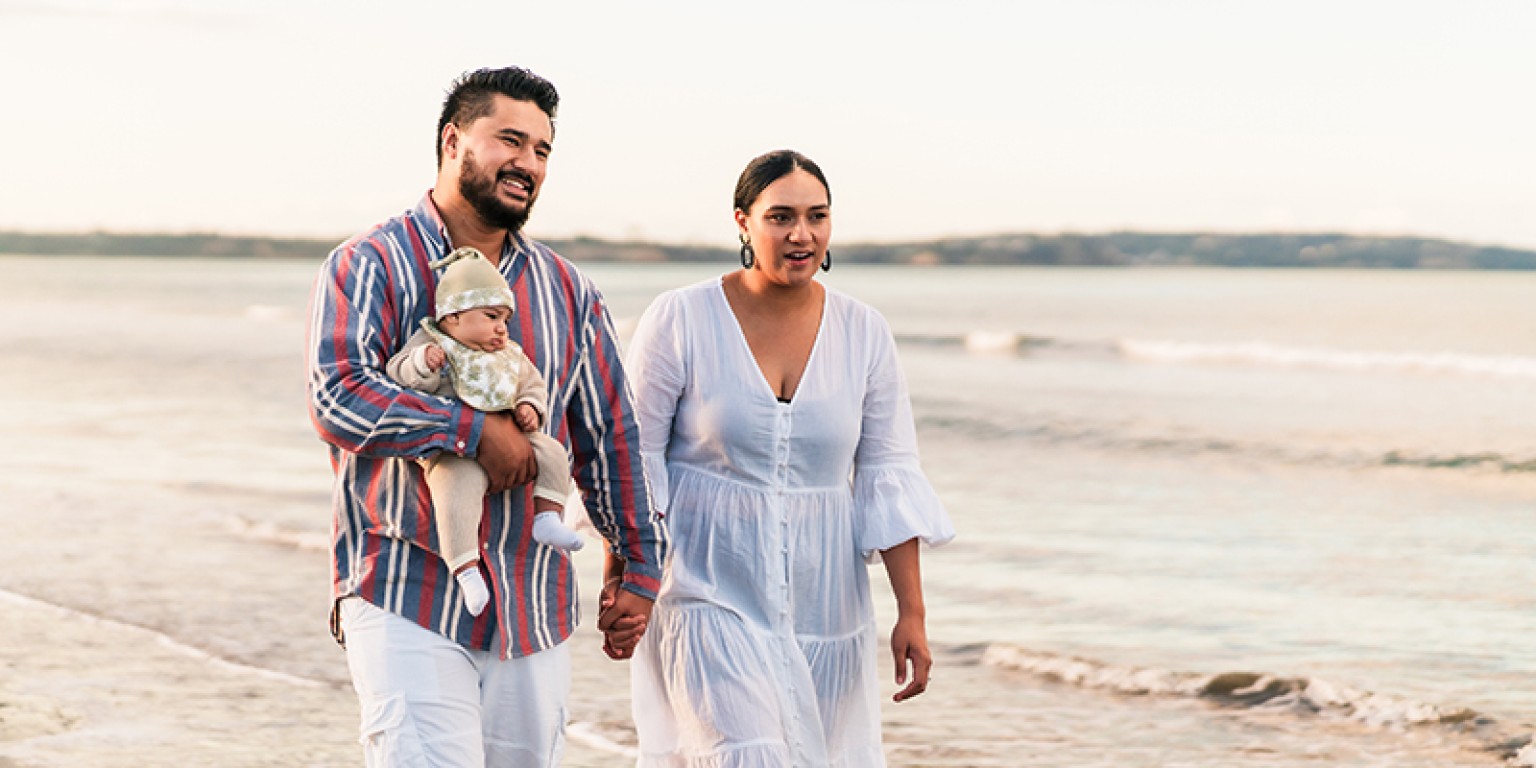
x,y
623,617
434,356
505,454
526,417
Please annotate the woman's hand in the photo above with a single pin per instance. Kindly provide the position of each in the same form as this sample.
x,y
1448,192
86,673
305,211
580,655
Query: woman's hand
x,y
909,640
909,646
622,618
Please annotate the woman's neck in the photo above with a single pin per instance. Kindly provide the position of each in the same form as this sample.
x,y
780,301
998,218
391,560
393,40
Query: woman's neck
x,y
756,288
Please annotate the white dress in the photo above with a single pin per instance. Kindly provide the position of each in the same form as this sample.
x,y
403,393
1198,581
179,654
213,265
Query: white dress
x,y
762,650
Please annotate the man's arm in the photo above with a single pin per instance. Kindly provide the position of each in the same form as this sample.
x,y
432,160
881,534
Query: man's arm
x,y
605,446
353,404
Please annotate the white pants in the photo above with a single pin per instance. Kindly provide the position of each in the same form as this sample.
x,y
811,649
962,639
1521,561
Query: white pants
x,y
429,702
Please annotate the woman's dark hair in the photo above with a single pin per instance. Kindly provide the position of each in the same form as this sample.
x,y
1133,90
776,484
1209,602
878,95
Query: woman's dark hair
x,y
469,98
766,169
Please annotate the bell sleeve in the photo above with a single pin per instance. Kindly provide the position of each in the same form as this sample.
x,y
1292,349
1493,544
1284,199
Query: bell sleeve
x,y
656,367
893,500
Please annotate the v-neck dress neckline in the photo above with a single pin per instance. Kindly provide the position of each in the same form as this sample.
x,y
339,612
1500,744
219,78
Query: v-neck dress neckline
x,y
746,347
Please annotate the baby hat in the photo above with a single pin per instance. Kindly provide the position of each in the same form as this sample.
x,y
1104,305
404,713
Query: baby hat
x,y
469,281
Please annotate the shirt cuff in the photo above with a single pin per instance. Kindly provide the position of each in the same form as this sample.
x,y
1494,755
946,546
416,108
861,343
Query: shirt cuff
x,y
465,438
641,579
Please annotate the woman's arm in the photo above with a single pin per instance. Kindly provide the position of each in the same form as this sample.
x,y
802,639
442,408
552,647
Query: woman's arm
x,y
909,639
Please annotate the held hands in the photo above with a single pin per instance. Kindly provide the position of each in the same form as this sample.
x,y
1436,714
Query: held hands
x,y
505,454
622,618
526,417
909,645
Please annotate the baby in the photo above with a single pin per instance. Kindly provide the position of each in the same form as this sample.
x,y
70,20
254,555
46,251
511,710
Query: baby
x,y
465,352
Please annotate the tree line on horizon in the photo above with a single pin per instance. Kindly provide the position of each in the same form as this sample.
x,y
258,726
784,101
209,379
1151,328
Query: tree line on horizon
x,y
1116,249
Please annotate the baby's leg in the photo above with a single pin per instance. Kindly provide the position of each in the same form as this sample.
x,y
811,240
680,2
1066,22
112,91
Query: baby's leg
x,y
550,490
458,488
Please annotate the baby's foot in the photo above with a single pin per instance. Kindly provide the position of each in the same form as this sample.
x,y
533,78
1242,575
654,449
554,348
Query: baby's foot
x,y
547,529
475,593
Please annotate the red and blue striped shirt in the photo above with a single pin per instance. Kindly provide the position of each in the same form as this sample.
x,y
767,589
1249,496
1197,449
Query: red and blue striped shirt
x,y
370,297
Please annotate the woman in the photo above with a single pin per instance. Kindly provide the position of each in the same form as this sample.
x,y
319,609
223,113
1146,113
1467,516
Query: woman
x,y
760,394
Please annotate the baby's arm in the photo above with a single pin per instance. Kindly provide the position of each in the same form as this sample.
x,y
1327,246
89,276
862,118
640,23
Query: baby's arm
x,y
532,394
419,364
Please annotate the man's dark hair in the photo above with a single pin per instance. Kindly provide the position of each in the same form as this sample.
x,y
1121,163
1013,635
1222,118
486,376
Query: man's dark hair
x,y
766,169
470,96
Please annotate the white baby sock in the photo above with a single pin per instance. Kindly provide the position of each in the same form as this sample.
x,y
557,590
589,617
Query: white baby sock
x,y
475,593
548,529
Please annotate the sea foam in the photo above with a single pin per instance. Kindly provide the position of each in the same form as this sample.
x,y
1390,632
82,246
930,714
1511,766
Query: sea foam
x,y
1260,353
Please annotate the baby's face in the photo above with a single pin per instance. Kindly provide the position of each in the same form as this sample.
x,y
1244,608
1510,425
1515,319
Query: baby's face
x,y
481,328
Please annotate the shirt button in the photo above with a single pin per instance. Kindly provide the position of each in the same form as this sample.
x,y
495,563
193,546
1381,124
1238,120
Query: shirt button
x,y
486,546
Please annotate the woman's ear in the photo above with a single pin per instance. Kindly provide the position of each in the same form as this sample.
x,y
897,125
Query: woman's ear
x,y
741,223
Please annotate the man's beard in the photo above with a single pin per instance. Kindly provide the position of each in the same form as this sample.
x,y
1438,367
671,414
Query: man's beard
x,y
478,186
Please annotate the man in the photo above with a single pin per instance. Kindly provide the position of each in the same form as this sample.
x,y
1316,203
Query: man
x,y
435,683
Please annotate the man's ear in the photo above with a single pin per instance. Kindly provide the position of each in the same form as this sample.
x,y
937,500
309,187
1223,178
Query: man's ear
x,y
450,140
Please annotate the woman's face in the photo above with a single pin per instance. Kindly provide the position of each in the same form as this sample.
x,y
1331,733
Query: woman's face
x,y
788,226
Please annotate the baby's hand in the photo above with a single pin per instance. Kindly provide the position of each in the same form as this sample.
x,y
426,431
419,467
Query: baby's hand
x,y
435,357
526,417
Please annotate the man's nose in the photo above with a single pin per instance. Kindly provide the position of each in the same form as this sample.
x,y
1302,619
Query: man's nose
x,y
526,158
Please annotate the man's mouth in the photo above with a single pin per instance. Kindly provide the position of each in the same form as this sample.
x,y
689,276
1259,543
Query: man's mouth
x,y
517,184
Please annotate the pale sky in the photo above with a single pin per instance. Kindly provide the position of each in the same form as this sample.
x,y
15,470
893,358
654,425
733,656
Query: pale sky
x,y
931,119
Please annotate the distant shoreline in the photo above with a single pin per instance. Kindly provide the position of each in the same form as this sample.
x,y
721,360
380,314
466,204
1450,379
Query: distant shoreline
x,y
1116,249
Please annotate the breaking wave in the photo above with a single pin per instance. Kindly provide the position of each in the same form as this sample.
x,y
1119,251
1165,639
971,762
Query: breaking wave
x,y
943,417
1278,356
1300,696
1254,353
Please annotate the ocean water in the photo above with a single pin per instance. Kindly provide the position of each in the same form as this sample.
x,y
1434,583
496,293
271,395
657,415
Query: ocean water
x,y
1206,517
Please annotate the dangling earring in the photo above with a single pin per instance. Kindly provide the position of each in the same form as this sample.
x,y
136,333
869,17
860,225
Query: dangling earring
x,y
748,256
826,264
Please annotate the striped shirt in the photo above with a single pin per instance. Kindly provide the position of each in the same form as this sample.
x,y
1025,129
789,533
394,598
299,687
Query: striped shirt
x,y
370,297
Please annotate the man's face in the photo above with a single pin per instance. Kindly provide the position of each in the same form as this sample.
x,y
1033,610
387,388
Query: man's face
x,y
501,160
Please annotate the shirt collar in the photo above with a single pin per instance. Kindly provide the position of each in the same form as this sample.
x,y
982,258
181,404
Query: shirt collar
x,y
515,246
